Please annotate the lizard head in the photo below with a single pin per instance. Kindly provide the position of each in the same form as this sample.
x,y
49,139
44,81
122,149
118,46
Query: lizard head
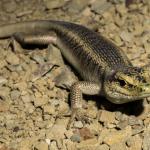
x,y
128,84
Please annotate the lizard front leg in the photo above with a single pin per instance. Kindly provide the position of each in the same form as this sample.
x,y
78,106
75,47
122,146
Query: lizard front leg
x,y
77,90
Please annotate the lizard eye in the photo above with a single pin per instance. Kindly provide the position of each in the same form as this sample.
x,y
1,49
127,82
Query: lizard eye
x,y
122,82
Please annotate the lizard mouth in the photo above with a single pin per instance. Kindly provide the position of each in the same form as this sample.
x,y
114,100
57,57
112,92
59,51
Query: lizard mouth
x,y
119,95
145,89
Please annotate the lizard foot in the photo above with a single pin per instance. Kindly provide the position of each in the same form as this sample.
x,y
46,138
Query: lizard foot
x,y
79,114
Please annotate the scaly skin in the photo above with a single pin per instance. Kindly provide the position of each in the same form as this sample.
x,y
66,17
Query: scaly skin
x,y
104,67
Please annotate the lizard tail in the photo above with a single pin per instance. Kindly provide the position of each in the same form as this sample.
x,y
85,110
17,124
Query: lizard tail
x,y
24,27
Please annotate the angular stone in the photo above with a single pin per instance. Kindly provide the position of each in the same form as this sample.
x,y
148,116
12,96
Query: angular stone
x,y
15,94
99,6
49,109
58,130
107,116
12,58
126,36
88,144
119,146
103,147
53,4
78,124
3,80
118,136
77,5
146,140
41,146
135,143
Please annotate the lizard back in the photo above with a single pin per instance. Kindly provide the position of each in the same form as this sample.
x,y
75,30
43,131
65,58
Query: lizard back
x,y
89,52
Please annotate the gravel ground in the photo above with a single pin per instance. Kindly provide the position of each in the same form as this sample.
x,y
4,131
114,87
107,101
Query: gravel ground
x,y
31,100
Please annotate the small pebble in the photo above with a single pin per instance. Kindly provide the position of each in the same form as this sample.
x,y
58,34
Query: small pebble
x,y
12,58
75,138
78,124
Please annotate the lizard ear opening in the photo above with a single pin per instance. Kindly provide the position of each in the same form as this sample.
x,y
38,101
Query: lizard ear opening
x,y
110,75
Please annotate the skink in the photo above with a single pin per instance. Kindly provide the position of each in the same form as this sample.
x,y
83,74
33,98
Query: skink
x,y
103,66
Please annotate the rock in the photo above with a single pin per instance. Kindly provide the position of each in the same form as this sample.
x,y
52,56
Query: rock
x,y
38,58
104,132
40,100
95,127
81,135
122,124
54,56
86,12
118,146
9,6
76,138
4,107
69,144
103,147
48,141
78,124
2,63
53,4
53,145
147,47
29,107
146,121
99,6
92,110
4,147
57,131
62,107
27,98
138,29
117,1
137,125
41,146
146,140
118,136
3,80
88,144
126,36
121,9
86,133
135,121
22,86
69,133
117,40
135,143
26,144
4,92
15,94
76,6
42,70
49,109
107,116
12,58
66,78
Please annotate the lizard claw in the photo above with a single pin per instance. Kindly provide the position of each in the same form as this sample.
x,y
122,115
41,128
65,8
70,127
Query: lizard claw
x,y
79,115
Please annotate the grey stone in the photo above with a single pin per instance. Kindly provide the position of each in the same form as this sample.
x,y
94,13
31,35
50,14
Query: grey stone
x,y
99,6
